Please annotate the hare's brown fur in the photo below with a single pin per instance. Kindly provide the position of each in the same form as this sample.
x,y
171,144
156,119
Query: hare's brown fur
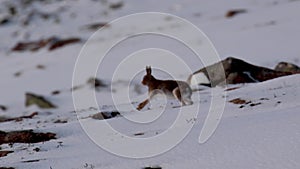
x,y
178,89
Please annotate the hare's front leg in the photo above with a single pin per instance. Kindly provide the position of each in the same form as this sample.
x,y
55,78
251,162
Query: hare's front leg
x,y
145,102
142,105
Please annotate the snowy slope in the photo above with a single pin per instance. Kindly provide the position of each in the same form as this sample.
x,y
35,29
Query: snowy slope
x,y
265,135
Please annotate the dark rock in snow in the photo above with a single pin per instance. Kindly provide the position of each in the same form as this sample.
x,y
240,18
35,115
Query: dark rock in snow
x,y
96,26
55,92
40,101
238,101
3,108
105,115
62,42
60,121
25,136
5,153
287,67
233,71
116,5
6,119
4,21
232,13
95,83
52,42
153,167
30,46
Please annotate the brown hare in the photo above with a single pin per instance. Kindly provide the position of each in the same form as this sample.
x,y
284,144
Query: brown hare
x,y
178,89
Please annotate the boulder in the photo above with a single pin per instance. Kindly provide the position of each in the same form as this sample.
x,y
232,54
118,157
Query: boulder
x,y
233,71
40,101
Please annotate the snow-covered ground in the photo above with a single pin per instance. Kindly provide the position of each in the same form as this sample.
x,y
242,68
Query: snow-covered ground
x,y
265,134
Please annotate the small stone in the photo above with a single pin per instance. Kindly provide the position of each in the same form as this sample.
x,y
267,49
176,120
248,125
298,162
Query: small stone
x,y
3,108
234,12
287,67
116,5
95,83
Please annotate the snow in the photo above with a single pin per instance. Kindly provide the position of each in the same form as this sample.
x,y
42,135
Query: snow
x,y
251,137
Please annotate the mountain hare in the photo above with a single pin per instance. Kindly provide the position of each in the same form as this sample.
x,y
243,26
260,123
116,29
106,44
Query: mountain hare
x,y
178,89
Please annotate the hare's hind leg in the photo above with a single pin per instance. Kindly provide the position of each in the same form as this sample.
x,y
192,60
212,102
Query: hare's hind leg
x,y
188,101
177,95
184,98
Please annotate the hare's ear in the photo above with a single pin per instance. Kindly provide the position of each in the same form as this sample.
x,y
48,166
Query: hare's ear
x,y
148,70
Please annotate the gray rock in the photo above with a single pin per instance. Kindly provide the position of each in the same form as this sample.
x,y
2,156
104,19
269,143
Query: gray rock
x,y
40,101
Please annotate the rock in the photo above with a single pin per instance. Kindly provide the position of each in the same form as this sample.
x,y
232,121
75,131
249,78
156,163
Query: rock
x,y
58,43
55,92
95,83
30,46
116,5
40,101
255,104
287,67
60,121
153,167
105,115
4,21
25,136
232,13
3,108
17,74
52,42
6,119
138,134
32,161
238,101
233,71
96,26
4,153
42,67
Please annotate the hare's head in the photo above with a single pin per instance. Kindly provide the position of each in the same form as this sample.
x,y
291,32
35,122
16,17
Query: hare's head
x,y
148,78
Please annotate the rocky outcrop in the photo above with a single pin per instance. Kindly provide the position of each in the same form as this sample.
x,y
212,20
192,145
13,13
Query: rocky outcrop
x,y
234,71
25,136
287,67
